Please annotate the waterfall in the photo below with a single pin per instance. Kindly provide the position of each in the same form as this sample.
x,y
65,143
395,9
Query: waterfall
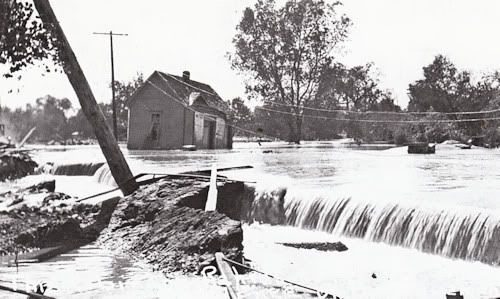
x,y
103,176
88,169
471,234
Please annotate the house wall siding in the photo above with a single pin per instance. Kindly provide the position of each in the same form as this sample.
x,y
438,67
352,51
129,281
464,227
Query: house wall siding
x,y
171,130
178,125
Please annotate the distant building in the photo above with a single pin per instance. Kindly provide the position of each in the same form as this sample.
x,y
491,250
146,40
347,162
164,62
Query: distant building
x,y
169,112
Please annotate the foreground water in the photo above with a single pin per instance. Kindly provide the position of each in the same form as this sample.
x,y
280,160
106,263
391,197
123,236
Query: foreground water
x,y
390,208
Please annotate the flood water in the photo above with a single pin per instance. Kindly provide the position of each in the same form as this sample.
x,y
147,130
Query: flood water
x,y
421,223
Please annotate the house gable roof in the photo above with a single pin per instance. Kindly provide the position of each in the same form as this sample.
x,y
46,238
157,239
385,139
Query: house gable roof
x,y
175,87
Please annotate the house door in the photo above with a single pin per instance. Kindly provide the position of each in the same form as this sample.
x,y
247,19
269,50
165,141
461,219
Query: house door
x,y
209,134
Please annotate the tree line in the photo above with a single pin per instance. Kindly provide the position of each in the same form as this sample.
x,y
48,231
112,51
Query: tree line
x,y
289,57
443,89
56,120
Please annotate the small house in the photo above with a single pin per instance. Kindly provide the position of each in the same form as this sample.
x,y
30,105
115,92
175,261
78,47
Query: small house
x,y
172,112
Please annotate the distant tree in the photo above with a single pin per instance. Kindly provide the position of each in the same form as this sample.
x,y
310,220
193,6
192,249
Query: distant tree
x,y
241,115
443,89
123,91
284,50
79,123
355,88
50,117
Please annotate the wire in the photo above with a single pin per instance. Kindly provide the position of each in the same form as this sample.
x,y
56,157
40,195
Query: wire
x,y
383,121
170,96
316,291
191,109
385,112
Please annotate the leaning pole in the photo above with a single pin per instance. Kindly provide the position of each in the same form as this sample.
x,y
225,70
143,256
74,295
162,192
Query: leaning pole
x,y
109,146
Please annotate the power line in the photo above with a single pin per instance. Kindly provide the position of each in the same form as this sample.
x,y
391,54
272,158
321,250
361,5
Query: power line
x,y
191,109
385,112
382,121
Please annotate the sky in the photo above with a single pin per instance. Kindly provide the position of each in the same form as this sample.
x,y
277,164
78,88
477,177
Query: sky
x,y
398,36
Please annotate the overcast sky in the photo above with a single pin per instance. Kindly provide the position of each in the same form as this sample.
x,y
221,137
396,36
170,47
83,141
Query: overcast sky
x,y
399,36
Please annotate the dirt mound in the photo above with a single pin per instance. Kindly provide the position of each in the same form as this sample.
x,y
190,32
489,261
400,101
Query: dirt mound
x,y
15,165
164,224
27,228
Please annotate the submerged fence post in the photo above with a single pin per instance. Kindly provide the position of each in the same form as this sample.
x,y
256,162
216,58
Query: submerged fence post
x,y
211,204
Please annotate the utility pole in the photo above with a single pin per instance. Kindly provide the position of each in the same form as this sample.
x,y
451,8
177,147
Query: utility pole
x,y
113,102
116,161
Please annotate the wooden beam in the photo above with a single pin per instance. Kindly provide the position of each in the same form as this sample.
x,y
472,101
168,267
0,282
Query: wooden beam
x,y
31,295
116,161
227,273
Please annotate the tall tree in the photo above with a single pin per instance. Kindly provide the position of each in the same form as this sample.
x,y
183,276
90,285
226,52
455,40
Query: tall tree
x,y
440,89
355,88
284,50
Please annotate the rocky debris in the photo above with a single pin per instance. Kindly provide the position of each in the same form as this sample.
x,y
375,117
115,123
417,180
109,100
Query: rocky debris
x,y
15,164
28,228
49,186
165,224
323,246
54,196
15,197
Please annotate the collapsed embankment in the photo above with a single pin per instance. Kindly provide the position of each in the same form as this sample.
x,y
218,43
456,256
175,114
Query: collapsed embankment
x,y
165,224
56,222
15,164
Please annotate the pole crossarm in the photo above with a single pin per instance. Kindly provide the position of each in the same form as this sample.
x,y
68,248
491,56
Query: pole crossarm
x,y
113,101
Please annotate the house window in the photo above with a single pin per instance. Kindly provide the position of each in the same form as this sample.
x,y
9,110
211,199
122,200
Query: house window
x,y
155,126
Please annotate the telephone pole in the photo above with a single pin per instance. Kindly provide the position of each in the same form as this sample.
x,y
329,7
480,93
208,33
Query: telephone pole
x,y
113,102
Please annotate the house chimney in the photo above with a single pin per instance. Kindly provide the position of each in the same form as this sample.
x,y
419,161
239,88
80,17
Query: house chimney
x,y
185,76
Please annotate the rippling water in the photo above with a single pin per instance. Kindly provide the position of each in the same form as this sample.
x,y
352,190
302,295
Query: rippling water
x,y
390,208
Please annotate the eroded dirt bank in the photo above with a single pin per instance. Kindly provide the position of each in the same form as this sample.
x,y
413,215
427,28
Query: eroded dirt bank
x,y
165,224
15,164
56,221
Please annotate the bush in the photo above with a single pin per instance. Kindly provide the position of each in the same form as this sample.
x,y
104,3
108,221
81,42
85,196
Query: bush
x,y
400,137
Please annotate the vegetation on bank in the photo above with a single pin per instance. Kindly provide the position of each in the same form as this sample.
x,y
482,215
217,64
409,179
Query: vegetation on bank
x,y
346,101
56,119
289,55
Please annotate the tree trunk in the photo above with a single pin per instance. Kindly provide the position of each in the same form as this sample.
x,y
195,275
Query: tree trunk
x,y
298,131
291,125
116,161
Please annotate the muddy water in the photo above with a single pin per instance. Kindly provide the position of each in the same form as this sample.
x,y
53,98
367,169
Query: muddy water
x,y
395,201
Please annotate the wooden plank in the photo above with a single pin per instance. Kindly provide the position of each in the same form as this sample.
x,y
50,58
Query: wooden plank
x,y
31,295
228,275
